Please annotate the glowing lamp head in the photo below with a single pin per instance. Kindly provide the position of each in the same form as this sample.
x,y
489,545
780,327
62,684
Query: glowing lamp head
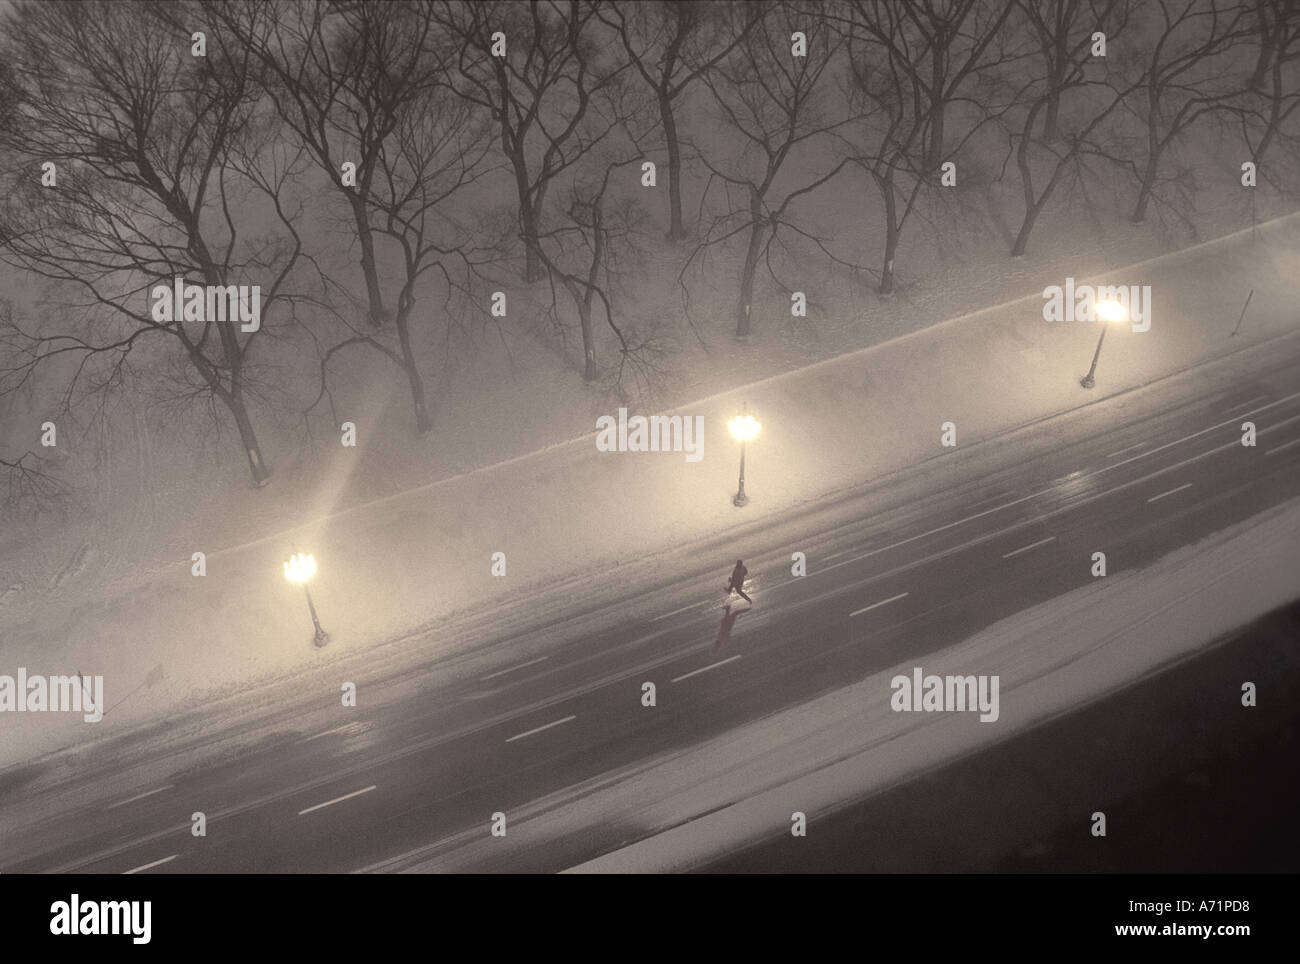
x,y
744,427
1109,310
300,568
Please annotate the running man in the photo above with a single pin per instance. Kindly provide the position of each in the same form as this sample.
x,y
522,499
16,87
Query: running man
x,y
737,582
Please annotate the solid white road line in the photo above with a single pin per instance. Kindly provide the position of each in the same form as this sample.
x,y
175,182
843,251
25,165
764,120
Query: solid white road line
x,y
1128,449
531,662
520,736
1032,545
1282,448
345,728
883,602
674,612
704,669
1245,406
156,863
1157,498
138,796
346,796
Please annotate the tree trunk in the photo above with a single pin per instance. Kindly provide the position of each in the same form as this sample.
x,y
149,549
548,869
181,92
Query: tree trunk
x,y
891,233
1056,76
233,354
422,421
1274,115
529,207
588,341
1051,118
1148,185
248,437
757,227
1026,226
1032,207
676,230
374,294
936,138
938,105
593,276
532,256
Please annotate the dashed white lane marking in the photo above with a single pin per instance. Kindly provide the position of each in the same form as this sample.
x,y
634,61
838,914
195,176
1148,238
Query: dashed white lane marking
x,y
883,602
1157,498
520,736
705,669
156,863
502,672
1032,545
346,796
138,796
1282,448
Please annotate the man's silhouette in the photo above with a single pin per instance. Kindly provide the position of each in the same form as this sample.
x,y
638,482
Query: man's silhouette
x,y
737,582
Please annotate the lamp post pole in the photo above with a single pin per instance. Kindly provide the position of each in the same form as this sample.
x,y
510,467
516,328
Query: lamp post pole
x,y
1087,381
321,637
300,568
740,498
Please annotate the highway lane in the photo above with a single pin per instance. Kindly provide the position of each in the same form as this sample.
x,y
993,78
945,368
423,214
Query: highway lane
x,y
924,564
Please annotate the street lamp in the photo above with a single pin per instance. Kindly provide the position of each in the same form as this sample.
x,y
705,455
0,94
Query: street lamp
x,y
744,427
1108,312
299,569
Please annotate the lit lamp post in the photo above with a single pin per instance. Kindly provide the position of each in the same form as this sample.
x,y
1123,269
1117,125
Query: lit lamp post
x,y
743,427
299,569
1108,312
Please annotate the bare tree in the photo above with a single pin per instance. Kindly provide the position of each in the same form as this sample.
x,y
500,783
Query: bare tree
x,y
160,157
1275,81
1186,74
1083,91
892,71
582,255
776,104
363,84
1054,24
940,46
672,43
540,88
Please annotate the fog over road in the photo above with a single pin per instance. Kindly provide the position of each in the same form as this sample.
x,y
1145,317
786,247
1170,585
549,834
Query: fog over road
x,y
897,569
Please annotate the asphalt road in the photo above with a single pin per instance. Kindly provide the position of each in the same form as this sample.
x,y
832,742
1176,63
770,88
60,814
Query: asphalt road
x,y
897,569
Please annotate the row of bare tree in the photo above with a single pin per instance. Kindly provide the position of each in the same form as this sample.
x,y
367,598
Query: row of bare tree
x,y
142,141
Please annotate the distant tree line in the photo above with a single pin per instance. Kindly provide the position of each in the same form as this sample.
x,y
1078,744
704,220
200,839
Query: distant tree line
x,y
143,141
